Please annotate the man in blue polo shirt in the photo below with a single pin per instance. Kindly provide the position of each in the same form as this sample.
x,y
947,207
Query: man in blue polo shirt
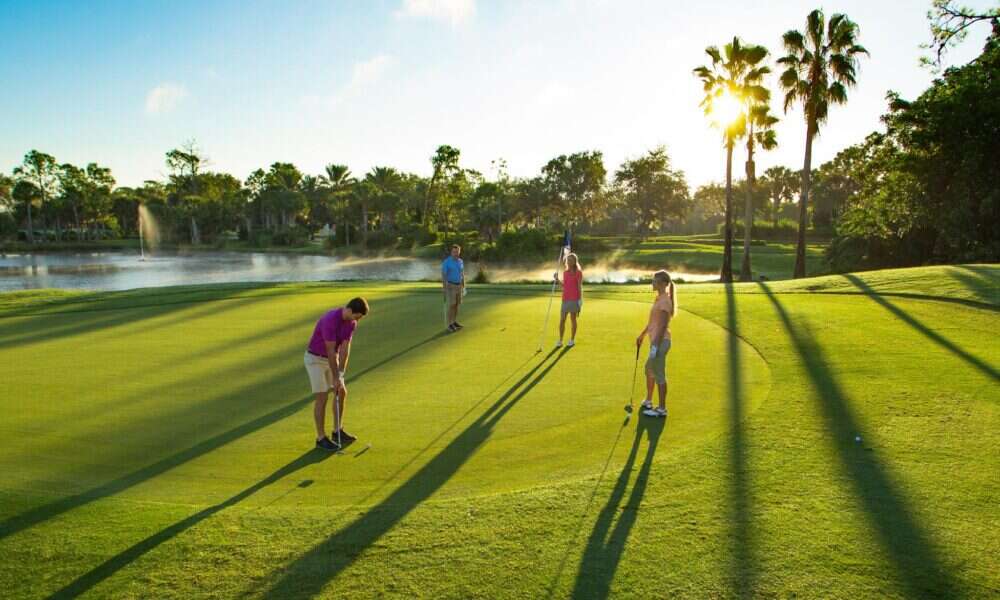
x,y
453,282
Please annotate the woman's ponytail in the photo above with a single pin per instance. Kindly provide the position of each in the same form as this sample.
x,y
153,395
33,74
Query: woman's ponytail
x,y
673,300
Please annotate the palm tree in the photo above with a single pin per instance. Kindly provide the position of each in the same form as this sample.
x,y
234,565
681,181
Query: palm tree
x,y
731,83
820,65
338,180
760,123
387,181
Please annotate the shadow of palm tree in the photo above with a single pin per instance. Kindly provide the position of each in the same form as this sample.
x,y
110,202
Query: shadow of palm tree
x,y
121,560
47,511
607,540
79,314
742,563
908,546
308,574
980,281
929,333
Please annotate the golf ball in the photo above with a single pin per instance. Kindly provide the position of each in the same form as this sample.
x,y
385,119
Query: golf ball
x,y
857,439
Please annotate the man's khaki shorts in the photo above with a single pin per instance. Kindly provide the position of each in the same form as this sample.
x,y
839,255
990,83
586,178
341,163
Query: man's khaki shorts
x,y
453,293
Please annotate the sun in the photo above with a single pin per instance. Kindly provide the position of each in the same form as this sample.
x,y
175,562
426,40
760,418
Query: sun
x,y
726,108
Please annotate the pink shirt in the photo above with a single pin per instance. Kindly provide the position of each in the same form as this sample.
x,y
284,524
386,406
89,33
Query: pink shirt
x,y
572,284
331,327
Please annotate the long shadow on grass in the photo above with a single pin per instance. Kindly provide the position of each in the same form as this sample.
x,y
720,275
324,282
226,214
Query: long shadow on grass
x,y
929,333
980,281
402,309
917,564
121,560
47,327
583,514
607,540
189,421
47,511
307,575
742,563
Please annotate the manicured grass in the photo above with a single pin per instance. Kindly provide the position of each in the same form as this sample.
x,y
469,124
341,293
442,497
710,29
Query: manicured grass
x,y
156,443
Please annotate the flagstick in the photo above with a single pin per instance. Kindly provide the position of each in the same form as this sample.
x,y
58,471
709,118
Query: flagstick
x,y
551,296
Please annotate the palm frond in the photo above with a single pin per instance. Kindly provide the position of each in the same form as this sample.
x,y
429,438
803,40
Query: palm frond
x,y
834,28
755,54
837,93
789,79
768,140
842,67
814,28
758,94
794,41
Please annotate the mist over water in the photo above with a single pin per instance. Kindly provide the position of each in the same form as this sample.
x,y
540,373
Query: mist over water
x,y
121,271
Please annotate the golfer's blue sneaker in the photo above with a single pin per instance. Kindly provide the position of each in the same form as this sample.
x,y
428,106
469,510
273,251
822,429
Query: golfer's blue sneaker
x,y
327,444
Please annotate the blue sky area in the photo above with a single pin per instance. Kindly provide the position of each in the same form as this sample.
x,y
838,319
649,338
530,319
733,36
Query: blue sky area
x,y
385,82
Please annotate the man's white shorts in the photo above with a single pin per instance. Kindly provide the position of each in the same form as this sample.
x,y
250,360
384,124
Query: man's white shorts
x,y
320,375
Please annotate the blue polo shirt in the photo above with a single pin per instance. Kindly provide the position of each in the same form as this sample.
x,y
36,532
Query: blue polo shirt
x,y
452,269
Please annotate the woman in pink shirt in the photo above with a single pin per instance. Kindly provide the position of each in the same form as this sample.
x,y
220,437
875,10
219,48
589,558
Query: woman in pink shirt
x,y
572,297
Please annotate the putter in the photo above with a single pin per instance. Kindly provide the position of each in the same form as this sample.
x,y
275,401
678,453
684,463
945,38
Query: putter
x,y
631,390
339,425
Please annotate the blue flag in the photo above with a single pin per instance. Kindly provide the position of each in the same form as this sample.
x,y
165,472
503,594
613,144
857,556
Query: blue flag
x,y
567,240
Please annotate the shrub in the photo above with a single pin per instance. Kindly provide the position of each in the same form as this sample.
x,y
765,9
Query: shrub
x,y
381,239
290,236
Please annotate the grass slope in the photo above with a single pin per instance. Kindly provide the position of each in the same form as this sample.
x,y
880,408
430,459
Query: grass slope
x,y
703,254
156,444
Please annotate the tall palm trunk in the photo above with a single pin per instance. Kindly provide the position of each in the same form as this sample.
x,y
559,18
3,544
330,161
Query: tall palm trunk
x,y
800,247
745,273
726,276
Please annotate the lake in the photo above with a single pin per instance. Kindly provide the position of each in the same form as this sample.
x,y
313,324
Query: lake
x,y
123,271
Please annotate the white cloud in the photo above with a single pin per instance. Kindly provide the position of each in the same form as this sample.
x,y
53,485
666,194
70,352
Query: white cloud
x,y
164,98
454,12
364,75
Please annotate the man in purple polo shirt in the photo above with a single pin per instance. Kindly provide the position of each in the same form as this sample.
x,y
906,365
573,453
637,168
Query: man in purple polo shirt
x,y
326,363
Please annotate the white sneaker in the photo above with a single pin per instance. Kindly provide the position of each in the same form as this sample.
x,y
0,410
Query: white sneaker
x,y
571,344
559,344
646,405
655,412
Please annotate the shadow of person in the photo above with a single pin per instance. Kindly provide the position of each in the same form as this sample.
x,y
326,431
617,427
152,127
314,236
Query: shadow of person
x,y
607,540
114,564
309,573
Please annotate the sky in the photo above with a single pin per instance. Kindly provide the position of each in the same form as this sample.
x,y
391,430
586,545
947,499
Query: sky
x,y
385,82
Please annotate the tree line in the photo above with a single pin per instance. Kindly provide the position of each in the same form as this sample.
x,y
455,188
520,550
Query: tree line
x,y
925,190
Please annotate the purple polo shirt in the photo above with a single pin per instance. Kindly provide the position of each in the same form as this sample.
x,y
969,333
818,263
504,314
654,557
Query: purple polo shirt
x,y
331,327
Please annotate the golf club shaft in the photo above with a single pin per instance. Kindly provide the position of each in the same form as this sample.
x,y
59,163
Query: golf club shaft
x,y
635,371
552,295
336,409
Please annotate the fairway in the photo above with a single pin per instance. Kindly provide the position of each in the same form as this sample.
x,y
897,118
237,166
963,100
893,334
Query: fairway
x,y
157,443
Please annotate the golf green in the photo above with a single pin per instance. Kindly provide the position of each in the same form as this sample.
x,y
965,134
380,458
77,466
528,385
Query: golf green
x,y
157,443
